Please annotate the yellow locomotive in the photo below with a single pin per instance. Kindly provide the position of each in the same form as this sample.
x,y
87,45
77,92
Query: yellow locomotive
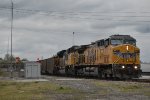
x,y
116,56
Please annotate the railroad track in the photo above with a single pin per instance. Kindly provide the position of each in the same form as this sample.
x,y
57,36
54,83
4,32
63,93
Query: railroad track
x,y
108,79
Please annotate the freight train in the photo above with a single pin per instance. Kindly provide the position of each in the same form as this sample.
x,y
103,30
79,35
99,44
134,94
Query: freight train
x,y
114,57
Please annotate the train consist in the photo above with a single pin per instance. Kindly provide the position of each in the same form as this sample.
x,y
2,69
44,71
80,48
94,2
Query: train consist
x,y
117,56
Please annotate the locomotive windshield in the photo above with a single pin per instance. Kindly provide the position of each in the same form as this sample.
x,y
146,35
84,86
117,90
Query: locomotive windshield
x,y
133,42
120,41
116,41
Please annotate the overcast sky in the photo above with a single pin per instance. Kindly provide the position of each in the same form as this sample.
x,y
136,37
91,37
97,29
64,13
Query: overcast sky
x,y
43,27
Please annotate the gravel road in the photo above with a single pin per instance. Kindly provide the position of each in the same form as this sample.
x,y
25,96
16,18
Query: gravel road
x,y
92,91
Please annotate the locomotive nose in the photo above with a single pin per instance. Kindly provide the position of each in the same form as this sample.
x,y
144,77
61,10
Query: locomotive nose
x,y
127,54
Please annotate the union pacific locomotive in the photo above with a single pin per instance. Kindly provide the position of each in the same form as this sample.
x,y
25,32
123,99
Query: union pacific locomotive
x,y
117,56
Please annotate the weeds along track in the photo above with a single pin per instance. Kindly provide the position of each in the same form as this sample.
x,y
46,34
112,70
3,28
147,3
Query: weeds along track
x,y
140,80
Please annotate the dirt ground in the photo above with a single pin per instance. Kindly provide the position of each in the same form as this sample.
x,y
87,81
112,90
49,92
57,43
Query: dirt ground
x,y
67,88
94,89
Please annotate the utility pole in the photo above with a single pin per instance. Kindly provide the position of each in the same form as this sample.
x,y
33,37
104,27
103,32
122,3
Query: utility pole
x,y
11,62
8,47
73,39
74,55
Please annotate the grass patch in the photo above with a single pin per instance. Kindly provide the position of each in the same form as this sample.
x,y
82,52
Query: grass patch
x,y
31,90
103,92
125,87
147,93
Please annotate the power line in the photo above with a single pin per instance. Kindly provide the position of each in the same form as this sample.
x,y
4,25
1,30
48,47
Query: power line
x,y
77,14
35,10
97,19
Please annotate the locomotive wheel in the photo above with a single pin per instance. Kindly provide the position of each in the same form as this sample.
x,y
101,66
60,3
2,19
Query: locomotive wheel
x,y
100,74
67,70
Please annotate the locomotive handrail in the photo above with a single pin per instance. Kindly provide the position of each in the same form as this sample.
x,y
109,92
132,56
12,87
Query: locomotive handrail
x,y
114,63
117,59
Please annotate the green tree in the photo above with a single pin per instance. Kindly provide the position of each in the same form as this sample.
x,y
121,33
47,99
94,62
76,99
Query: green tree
x,y
1,59
8,57
24,59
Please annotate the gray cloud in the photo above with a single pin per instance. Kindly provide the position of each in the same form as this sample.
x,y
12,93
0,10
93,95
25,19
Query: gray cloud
x,y
43,27
143,28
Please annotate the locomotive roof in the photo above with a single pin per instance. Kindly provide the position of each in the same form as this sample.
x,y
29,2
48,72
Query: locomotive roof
x,y
82,48
72,49
61,53
124,37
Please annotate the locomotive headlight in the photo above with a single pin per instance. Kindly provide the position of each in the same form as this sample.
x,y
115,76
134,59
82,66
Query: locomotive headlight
x,y
127,47
123,67
135,67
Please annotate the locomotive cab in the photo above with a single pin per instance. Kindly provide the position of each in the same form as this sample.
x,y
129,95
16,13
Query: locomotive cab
x,y
125,56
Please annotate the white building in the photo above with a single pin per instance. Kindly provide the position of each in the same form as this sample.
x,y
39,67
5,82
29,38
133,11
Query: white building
x,y
32,70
